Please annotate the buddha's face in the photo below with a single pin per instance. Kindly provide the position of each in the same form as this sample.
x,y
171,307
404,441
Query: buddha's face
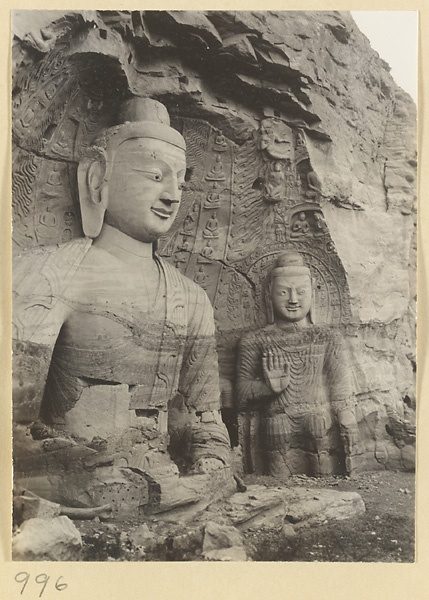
x,y
291,296
144,188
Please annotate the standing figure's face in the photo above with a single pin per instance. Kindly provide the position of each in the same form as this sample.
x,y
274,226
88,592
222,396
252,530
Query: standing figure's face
x,y
144,188
291,296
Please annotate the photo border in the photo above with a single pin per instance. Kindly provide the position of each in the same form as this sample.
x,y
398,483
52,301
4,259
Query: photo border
x,y
220,581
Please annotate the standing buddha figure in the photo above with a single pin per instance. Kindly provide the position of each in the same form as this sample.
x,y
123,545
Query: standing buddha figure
x,y
297,375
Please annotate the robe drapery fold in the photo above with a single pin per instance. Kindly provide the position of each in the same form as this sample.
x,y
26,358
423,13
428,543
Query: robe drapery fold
x,y
319,385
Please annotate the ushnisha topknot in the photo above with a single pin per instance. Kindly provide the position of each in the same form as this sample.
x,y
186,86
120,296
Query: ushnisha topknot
x,y
149,118
139,118
143,109
289,264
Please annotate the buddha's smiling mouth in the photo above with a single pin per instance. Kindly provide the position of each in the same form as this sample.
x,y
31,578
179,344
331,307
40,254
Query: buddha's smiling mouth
x,y
164,213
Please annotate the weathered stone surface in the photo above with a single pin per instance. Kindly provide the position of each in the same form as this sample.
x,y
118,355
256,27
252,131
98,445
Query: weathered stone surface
x,y
83,420
29,506
257,506
220,536
304,508
189,540
223,543
124,473
408,455
47,539
264,507
190,495
141,536
288,532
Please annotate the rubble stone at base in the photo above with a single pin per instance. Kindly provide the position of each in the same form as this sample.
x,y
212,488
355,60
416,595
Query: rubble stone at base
x,y
47,539
223,543
264,507
315,507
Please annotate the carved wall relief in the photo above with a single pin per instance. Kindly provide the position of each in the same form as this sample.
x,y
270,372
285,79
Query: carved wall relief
x,y
59,108
276,140
228,231
196,245
242,207
216,239
287,219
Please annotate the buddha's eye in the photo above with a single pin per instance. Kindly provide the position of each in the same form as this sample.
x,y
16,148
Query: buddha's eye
x,y
149,173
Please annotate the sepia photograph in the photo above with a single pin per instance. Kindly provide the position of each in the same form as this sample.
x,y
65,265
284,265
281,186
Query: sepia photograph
x,y
214,286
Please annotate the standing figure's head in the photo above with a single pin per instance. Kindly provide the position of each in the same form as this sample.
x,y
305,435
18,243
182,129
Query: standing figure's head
x,y
291,290
131,177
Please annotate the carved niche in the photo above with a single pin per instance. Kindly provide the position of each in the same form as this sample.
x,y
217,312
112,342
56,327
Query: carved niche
x,y
241,207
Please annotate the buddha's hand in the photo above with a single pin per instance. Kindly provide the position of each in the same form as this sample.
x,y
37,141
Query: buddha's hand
x,y
276,370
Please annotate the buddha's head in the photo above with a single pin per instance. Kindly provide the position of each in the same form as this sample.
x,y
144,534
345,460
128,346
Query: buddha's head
x,y
131,177
291,290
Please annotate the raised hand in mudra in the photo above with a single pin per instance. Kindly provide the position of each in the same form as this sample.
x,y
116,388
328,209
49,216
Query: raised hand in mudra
x,y
276,370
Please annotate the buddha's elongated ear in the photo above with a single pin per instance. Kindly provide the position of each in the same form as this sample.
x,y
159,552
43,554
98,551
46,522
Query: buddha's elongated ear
x,y
93,191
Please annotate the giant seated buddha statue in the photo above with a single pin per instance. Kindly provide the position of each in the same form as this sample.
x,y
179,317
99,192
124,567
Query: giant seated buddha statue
x,y
125,379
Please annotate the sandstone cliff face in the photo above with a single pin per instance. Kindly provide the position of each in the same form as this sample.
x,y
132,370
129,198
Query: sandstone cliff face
x,y
315,82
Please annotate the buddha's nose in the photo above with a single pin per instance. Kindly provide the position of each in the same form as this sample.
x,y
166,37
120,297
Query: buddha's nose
x,y
171,192
169,198
293,298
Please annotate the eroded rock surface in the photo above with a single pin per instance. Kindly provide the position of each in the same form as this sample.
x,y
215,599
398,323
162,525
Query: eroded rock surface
x,y
222,542
264,507
53,539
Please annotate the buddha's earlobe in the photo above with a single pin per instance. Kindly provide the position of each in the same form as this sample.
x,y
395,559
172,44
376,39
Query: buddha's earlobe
x,y
104,196
93,193
95,174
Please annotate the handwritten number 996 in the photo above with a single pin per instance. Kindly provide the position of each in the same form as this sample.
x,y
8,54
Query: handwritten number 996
x,y
42,579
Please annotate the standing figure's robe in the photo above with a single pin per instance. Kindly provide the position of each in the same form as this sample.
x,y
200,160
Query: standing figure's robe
x,y
299,426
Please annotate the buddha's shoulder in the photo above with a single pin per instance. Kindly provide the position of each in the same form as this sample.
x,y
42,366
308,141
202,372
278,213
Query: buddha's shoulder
x,y
59,254
176,278
271,334
256,336
51,262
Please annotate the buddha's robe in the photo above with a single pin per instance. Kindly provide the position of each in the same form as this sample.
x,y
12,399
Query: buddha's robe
x,y
132,351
